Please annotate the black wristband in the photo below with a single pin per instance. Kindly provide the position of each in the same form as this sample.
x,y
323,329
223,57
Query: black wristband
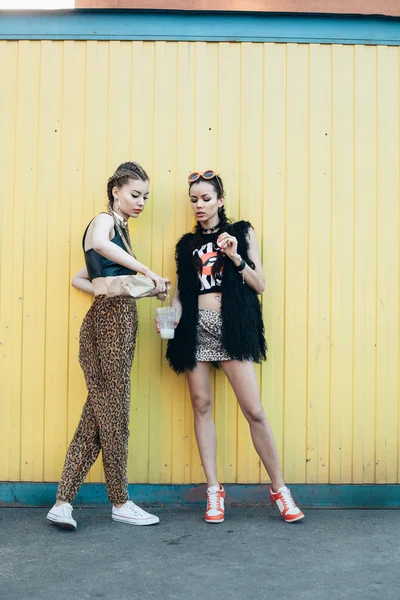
x,y
241,266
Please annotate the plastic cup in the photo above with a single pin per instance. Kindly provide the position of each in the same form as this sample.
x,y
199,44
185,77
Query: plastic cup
x,y
166,321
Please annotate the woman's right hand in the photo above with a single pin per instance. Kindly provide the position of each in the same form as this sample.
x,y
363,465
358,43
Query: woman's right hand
x,y
162,284
176,323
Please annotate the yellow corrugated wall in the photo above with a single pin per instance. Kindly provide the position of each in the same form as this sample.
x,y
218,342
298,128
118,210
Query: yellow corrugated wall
x,y
306,138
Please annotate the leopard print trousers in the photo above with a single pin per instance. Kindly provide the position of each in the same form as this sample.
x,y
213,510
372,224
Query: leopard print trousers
x,y
106,350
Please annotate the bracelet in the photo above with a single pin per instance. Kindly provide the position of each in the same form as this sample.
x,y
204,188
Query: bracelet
x,y
242,266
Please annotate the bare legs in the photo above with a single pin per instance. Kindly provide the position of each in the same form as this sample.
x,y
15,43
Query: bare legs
x,y
242,378
202,402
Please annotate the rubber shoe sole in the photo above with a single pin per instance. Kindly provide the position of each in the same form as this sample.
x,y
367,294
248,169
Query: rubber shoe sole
x,y
152,521
295,520
299,518
213,521
67,526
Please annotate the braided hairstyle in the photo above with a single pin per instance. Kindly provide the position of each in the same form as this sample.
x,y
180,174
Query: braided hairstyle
x,y
125,171
197,240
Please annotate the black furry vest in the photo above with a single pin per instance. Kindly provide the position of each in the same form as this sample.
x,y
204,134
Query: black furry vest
x,y
242,324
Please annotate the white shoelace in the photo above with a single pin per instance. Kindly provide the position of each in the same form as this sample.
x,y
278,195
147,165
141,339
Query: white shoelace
x,y
213,498
137,511
66,510
288,500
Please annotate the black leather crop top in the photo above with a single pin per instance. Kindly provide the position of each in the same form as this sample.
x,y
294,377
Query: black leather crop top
x,y
98,266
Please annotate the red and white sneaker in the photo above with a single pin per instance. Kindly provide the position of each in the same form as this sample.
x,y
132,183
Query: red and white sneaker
x,y
287,506
215,512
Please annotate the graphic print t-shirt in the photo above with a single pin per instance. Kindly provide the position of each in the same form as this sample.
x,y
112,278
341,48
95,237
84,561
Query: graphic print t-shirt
x,y
208,253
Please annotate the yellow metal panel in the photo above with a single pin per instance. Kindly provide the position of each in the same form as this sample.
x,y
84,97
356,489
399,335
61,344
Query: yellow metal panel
x,y
162,231
34,281
9,434
319,264
306,138
387,386
26,138
341,412
296,265
364,265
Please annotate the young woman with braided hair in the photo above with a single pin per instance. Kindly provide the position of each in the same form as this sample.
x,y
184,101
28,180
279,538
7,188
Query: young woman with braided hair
x,y
219,320
106,350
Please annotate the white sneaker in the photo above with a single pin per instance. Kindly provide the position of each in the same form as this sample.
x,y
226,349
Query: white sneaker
x,y
62,516
133,514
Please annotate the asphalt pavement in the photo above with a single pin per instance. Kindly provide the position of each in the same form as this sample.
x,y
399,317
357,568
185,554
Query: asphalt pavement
x,y
331,555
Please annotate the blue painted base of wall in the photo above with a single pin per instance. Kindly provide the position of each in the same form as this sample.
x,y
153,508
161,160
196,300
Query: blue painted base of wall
x,y
312,496
194,26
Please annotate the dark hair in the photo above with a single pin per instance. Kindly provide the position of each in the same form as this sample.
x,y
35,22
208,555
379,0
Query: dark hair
x,y
125,171
197,240
215,181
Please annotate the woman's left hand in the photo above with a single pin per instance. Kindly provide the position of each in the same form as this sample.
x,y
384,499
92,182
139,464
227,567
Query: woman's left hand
x,y
228,244
163,295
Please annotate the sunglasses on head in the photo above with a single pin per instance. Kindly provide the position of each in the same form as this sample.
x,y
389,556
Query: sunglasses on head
x,y
195,176
207,175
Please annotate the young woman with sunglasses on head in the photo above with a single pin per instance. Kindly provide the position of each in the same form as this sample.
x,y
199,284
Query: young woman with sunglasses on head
x,y
219,320
106,349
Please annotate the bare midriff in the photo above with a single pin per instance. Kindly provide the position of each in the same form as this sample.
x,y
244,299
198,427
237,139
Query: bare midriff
x,y
210,301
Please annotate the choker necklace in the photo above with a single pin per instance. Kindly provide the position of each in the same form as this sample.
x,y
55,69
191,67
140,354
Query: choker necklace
x,y
121,220
211,229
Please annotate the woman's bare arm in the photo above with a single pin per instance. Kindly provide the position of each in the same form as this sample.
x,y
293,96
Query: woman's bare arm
x,y
81,282
102,244
176,302
254,278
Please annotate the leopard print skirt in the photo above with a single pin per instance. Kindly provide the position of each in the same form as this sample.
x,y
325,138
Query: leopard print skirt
x,y
209,335
106,349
